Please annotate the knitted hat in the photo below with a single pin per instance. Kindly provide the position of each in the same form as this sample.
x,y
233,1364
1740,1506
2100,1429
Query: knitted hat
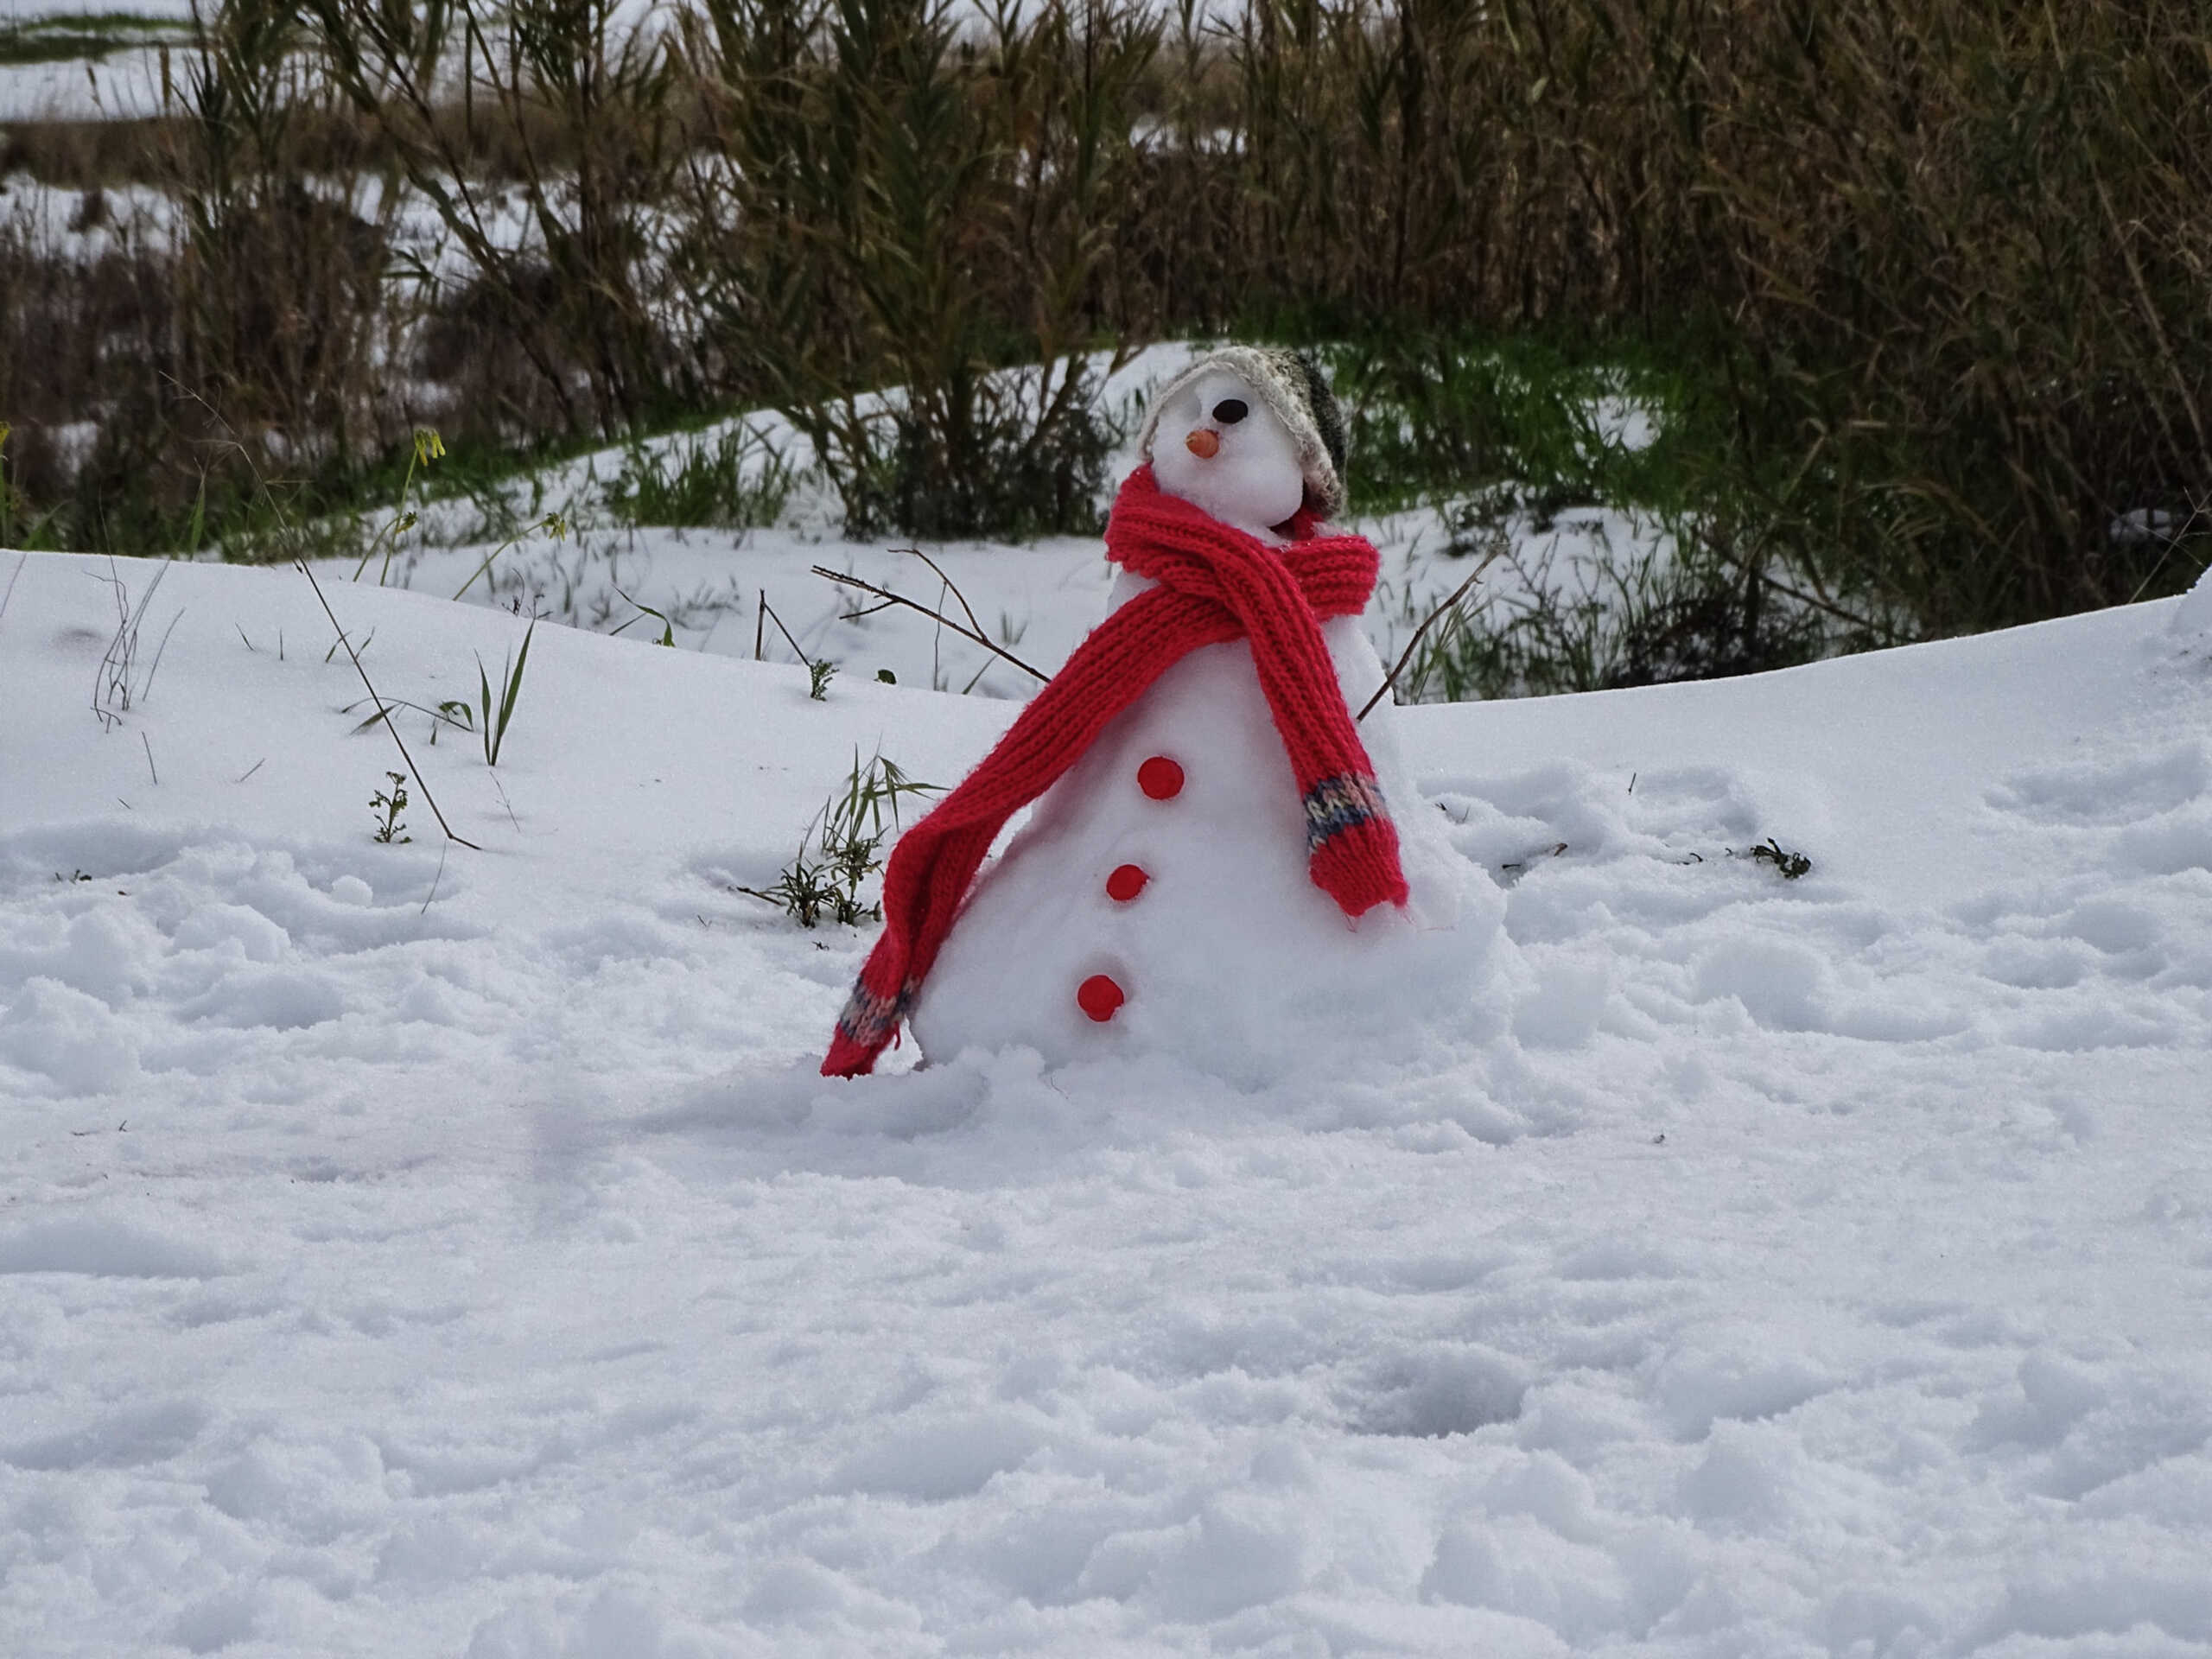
x,y
1292,384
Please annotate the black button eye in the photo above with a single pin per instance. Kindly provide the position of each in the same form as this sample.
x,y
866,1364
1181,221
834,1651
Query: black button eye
x,y
1229,410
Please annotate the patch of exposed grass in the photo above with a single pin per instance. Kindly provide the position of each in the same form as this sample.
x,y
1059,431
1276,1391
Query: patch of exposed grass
x,y
842,848
1524,420
1512,437
732,482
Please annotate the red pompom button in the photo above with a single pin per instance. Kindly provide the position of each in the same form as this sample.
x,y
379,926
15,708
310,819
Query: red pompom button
x,y
1159,777
1099,996
1127,882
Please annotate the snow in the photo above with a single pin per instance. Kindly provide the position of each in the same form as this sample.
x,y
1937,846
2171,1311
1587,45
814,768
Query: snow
x,y
1035,600
124,85
419,1250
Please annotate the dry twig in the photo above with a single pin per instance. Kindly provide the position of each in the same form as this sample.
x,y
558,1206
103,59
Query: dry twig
x,y
1406,655
846,579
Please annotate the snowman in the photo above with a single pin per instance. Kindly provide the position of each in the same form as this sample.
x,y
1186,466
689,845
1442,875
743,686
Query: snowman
x,y
1223,864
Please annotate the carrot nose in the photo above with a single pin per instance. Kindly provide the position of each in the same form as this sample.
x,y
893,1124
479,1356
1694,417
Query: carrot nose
x,y
1204,442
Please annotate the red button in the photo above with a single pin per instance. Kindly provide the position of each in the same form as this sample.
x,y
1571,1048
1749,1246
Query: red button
x,y
1127,882
1098,996
1159,777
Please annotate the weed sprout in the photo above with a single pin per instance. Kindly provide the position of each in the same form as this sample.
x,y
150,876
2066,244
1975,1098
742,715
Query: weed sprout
x,y
842,846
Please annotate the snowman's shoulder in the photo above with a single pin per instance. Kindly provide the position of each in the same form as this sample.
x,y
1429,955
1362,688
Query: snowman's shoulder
x,y
1350,645
1126,586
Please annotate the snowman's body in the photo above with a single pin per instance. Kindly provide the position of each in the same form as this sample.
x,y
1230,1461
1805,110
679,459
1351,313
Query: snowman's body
x,y
1167,868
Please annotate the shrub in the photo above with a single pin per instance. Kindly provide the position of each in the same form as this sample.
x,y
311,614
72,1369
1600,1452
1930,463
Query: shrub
x,y
1938,264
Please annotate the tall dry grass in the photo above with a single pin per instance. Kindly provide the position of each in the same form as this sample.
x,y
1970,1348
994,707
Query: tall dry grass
x,y
1940,266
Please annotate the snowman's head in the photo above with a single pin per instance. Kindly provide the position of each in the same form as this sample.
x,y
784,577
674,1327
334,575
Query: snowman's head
x,y
1219,446
1248,435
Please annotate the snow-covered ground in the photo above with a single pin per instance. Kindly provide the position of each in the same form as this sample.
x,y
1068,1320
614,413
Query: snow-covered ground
x,y
123,83
414,1251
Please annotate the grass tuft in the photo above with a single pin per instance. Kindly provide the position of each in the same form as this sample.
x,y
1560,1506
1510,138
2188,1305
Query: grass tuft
x,y
842,848
736,482
494,717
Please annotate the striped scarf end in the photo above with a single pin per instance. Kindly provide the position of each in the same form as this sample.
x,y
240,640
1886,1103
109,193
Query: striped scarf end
x,y
870,1020
1342,803
1351,845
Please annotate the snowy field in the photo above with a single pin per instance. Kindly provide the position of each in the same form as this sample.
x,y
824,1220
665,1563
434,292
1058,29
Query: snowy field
x,y
419,1252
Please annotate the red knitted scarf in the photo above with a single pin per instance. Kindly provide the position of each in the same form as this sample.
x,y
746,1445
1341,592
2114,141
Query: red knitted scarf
x,y
1216,584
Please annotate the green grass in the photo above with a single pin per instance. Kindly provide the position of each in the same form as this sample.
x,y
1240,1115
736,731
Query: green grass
x,y
847,836
258,515
697,483
1518,420
334,511
1504,434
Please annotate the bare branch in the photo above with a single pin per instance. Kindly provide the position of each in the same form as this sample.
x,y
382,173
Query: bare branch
x,y
966,608
797,649
1406,655
847,580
